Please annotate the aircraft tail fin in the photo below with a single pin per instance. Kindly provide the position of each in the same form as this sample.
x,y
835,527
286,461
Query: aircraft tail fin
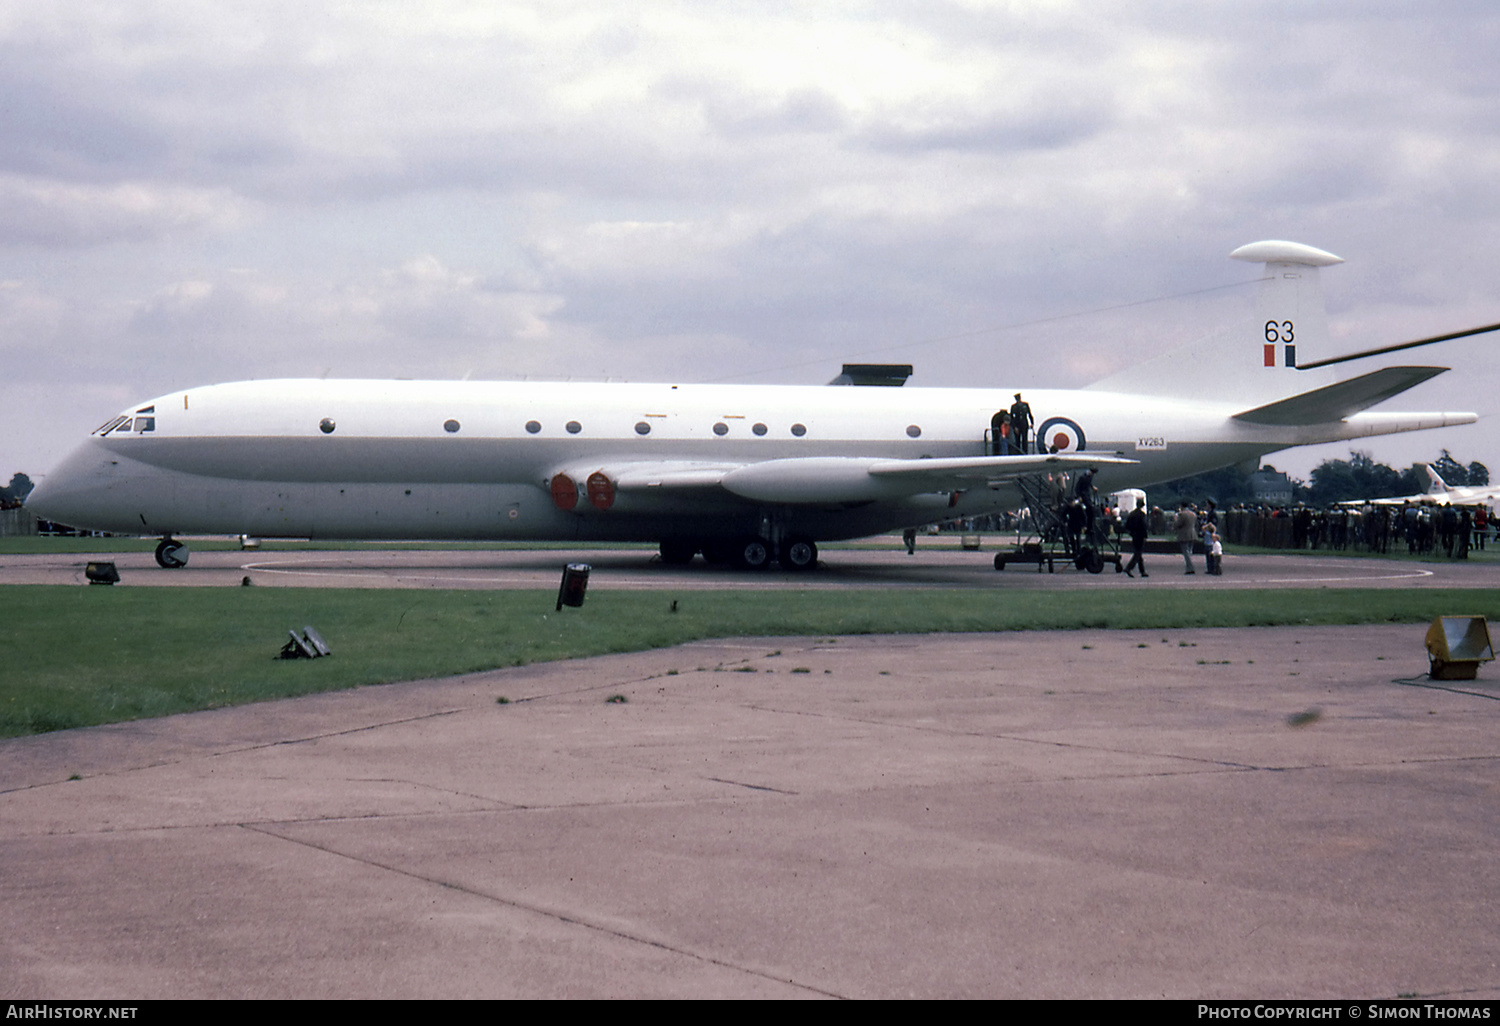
x,y
1254,360
1435,483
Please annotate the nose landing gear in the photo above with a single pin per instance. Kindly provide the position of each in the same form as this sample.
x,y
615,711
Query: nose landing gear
x,y
171,554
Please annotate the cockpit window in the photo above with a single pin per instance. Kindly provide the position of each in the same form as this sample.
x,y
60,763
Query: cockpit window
x,y
123,422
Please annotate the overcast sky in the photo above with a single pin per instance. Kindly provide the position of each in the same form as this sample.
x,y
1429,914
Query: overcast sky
x,y
719,191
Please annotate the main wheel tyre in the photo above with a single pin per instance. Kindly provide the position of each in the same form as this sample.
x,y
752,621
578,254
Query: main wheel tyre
x,y
171,555
752,554
1094,561
799,554
999,561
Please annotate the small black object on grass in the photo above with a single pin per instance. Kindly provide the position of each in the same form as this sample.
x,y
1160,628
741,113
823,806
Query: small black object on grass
x,y
101,573
616,700
307,645
575,584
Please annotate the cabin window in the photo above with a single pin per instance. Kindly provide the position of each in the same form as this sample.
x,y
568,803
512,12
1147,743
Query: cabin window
x,y
912,431
573,427
799,430
759,429
326,425
532,427
721,428
643,428
450,426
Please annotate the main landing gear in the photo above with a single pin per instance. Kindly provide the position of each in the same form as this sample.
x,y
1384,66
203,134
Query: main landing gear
x,y
751,552
799,554
171,554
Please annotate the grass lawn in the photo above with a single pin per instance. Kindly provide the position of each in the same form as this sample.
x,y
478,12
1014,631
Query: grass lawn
x,y
75,656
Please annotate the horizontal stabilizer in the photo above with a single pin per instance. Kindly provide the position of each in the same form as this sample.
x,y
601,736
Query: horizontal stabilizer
x,y
1342,399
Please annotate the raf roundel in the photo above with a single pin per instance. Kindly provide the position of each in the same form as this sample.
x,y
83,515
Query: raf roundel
x,y
1061,432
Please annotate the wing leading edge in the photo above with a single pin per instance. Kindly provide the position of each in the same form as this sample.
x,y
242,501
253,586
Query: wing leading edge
x,y
836,479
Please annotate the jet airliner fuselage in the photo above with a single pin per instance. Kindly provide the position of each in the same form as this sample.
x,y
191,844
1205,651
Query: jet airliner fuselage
x,y
746,472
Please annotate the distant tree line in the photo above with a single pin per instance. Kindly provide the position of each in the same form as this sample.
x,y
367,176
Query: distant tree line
x,y
1358,477
13,494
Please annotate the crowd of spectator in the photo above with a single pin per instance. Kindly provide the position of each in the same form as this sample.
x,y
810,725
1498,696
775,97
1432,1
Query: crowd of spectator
x,y
1419,528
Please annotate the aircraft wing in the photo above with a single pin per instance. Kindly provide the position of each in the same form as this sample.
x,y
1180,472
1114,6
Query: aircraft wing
x,y
1390,500
827,479
821,479
669,474
1337,401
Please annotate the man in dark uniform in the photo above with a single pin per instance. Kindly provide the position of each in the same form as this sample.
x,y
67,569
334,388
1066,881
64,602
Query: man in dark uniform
x,y
1084,492
1136,525
1020,425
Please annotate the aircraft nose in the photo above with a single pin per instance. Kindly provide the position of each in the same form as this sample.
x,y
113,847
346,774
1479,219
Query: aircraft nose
x,y
76,492
37,499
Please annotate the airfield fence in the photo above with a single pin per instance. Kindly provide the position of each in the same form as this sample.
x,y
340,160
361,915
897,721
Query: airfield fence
x,y
14,522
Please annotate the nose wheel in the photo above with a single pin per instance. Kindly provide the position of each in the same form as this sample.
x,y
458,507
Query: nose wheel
x,y
171,554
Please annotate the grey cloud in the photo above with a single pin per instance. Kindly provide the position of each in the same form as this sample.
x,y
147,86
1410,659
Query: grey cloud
x,y
1034,124
69,134
55,214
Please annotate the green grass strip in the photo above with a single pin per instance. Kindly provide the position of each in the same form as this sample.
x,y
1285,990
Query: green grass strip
x,y
76,656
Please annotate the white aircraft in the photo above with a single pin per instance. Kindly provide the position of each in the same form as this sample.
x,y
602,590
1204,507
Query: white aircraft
x,y
746,473
1438,493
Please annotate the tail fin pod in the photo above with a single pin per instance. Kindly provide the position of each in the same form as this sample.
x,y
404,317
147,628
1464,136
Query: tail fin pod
x,y
1254,360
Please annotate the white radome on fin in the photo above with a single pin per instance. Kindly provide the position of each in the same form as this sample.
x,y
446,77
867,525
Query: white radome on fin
x,y
1275,251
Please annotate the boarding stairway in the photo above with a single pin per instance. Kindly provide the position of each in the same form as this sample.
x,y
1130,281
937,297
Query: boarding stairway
x,y
1087,544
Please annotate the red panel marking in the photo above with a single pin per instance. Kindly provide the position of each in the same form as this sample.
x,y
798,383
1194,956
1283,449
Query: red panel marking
x,y
601,490
1270,355
564,492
